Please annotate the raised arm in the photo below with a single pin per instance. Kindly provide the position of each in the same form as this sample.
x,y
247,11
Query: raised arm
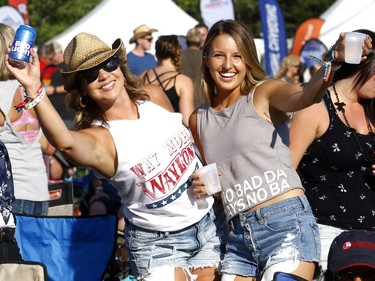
x,y
290,97
86,147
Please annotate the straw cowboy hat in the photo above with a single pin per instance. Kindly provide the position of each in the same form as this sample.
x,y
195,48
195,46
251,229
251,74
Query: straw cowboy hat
x,y
141,31
85,51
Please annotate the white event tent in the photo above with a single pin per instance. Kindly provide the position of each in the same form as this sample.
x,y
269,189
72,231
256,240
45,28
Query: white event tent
x,y
113,19
346,15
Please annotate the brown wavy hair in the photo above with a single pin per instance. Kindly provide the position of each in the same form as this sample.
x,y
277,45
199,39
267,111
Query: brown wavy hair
x,y
87,114
167,46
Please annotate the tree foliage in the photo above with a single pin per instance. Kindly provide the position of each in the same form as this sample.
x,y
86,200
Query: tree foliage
x,y
51,17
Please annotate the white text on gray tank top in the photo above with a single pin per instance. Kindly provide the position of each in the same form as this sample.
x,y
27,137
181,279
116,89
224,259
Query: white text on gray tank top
x,y
254,191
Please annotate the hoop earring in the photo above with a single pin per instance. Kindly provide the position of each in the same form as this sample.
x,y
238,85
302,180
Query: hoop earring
x,y
83,101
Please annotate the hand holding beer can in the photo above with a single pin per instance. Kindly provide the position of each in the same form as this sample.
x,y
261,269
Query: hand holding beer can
x,y
23,42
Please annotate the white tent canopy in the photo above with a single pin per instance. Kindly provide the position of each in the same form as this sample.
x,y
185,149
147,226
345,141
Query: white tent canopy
x,y
346,15
113,19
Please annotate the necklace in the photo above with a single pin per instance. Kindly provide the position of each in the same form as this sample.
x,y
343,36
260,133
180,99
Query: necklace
x,y
341,107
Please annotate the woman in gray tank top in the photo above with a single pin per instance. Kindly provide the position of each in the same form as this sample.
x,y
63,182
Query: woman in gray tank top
x,y
243,128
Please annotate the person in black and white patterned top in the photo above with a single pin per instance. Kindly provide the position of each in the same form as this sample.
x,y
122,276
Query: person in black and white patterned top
x,y
333,147
9,250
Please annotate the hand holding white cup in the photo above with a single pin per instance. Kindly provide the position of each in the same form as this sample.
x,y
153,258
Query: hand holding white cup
x,y
210,176
354,42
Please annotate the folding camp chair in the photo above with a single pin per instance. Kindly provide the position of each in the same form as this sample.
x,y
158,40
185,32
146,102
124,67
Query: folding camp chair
x,y
23,271
72,248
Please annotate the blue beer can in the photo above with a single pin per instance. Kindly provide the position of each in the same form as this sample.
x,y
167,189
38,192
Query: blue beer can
x,y
23,42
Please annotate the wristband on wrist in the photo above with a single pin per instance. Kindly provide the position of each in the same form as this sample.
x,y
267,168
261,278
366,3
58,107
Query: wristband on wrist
x,y
29,102
328,68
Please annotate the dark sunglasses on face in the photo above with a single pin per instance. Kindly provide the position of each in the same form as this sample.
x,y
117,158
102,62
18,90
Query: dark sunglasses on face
x,y
92,74
350,274
149,39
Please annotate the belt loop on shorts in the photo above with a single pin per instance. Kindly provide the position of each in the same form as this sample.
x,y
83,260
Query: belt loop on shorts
x,y
304,202
259,216
231,225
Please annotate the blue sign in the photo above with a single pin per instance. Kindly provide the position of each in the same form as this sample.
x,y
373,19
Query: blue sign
x,y
273,34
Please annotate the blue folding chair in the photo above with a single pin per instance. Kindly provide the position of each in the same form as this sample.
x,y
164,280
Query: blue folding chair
x,y
72,248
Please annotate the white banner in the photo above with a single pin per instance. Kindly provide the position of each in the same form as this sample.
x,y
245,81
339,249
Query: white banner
x,y
215,10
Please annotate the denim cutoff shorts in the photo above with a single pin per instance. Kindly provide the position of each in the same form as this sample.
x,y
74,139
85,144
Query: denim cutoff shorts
x,y
35,208
285,230
196,246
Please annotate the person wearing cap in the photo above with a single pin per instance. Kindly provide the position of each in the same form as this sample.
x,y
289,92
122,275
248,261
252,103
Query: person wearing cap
x,y
130,134
352,257
139,60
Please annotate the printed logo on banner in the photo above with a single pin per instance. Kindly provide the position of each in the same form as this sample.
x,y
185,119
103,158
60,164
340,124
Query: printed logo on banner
x,y
273,34
215,10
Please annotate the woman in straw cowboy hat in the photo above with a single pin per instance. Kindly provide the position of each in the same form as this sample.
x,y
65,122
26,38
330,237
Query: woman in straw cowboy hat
x,y
132,136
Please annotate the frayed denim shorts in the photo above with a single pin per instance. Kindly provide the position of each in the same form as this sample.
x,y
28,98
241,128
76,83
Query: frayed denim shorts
x,y
259,239
196,246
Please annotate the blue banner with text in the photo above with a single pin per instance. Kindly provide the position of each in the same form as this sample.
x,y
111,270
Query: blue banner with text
x,y
273,34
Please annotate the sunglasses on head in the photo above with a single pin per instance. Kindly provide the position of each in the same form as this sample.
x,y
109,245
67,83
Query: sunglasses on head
x,y
92,74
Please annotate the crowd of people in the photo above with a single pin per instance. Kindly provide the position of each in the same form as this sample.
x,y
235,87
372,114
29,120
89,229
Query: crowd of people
x,y
297,195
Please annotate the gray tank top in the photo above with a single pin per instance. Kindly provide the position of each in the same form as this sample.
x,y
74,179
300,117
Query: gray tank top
x,y
252,153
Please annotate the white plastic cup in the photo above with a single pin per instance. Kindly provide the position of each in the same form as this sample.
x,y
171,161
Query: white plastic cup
x,y
353,47
210,177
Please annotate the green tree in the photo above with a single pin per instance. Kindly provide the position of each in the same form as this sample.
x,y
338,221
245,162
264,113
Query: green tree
x,y
51,17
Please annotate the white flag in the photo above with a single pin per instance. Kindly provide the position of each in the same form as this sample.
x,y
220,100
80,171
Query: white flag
x,y
215,10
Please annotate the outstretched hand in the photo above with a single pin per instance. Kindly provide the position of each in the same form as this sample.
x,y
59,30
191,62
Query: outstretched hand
x,y
29,76
339,47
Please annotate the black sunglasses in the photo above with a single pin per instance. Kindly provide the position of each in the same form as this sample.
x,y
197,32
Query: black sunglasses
x,y
149,39
92,74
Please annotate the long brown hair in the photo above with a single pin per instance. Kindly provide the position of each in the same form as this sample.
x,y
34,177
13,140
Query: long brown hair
x,y
167,46
246,45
